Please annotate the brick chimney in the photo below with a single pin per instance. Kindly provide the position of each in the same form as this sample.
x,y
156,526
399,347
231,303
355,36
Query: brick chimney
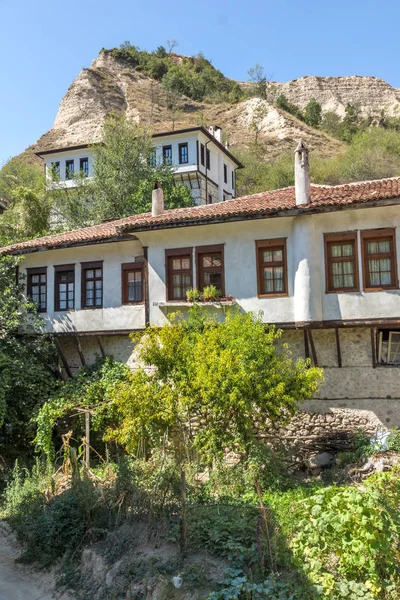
x,y
157,200
302,175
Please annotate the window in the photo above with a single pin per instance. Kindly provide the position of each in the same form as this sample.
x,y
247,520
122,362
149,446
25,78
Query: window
x,y
132,283
210,267
209,199
84,166
271,267
69,169
55,170
388,347
64,291
179,273
167,154
341,262
37,287
379,259
92,285
225,173
153,158
202,150
208,156
183,154
233,181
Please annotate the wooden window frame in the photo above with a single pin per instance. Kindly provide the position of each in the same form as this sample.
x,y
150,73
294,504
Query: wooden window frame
x,y
68,177
164,148
225,173
200,251
180,146
85,266
125,269
377,234
331,239
81,161
58,269
169,255
202,155
271,243
208,159
35,271
55,170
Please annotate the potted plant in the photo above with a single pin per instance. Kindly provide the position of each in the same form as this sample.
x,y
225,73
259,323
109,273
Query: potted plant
x,y
211,293
193,295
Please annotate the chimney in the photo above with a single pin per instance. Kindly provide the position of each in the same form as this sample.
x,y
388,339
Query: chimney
x,y
157,200
301,175
218,133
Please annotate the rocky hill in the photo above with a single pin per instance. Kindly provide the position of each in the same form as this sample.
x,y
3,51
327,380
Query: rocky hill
x,y
112,84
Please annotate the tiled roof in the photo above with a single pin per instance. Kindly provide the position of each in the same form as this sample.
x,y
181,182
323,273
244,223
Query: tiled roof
x,y
254,206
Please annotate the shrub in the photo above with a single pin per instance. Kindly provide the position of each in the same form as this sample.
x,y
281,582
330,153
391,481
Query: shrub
x,y
348,539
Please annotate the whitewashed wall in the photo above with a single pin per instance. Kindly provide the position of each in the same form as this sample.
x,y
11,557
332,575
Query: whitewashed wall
x,y
62,158
306,300
113,316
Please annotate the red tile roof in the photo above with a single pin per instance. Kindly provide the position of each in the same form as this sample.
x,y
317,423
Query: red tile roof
x,y
247,207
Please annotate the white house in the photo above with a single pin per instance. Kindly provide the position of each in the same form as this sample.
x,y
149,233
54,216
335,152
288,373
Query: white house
x,y
320,262
199,158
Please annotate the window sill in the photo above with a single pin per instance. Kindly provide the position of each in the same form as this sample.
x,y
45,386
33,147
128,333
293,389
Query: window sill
x,y
178,303
382,289
353,291
264,296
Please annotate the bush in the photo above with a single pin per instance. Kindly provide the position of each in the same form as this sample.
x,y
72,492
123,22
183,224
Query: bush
x,y
348,539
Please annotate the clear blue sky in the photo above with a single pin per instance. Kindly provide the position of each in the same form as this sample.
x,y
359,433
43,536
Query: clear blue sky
x,y
44,45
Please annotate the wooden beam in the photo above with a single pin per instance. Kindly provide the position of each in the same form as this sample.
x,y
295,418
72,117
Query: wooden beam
x,y
146,287
313,351
80,351
306,346
62,356
338,349
373,347
103,354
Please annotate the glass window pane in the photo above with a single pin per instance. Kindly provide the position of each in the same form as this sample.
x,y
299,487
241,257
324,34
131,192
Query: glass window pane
x,y
277,255
98,273
386,278
89,285
348,281
43,278
176,264
337,281
347,267
185,263
347,250
336,251
35,278
373,247
267,256
337,268
384,246
89,274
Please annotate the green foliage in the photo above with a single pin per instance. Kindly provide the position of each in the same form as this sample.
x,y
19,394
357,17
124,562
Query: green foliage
x,y
211,293
393,441
348,539
238,586
23,185
27,364
220,374
313,113
123,179
92,388
194,76
193,295
283,103
51,528
259,81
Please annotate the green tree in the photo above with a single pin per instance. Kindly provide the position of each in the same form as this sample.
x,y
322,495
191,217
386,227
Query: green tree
x,y
123,178
259,80
313,113
283,103
350,123
27,364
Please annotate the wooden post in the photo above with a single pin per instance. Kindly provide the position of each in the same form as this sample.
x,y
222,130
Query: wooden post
x,y
184,520
62,356
338,350
373,347
306,346
313,351
87,435
80,351
103,354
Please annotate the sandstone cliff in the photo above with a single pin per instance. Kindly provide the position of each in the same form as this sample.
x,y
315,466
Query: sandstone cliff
x,y
110,85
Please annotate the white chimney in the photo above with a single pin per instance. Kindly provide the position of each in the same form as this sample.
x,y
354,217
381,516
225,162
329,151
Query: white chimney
x,y
218,133
157,200
301,175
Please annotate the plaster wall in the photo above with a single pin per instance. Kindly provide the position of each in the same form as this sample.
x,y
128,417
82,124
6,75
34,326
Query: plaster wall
x,y
307,299
113,316
62,157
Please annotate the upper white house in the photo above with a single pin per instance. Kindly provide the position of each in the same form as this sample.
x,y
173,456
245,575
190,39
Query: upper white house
x,y
199,158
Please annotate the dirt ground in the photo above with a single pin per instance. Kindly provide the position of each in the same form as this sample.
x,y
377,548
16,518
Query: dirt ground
x,y
18,582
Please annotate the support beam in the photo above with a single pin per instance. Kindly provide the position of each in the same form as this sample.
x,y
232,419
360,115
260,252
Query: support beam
x,y
103,354
80,351
313,351
146,287
306,346
373,347
62,357
338,349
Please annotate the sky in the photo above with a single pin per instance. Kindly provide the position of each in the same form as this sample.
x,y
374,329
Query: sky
x,y
44,45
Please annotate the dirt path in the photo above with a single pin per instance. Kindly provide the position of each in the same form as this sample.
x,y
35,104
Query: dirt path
x,y
18,582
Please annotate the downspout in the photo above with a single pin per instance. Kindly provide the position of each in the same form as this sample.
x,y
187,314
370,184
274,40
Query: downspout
x,y
146,287
205,167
